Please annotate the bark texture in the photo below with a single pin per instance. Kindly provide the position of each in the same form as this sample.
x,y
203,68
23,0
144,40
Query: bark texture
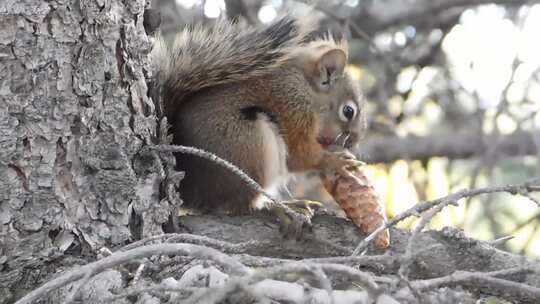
x,y
74,116
437,253
231,259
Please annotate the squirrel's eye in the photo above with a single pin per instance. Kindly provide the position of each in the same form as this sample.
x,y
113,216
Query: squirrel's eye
x,y
348,111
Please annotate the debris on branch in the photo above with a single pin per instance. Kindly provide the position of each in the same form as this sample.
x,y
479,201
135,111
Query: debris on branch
x,y
242,259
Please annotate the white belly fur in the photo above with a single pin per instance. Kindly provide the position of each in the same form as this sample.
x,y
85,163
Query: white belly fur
x,y
274,160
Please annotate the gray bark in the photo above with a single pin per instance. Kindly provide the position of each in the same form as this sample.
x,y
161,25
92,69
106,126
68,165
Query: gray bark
x,y
451,146
254,242
74,115
437,253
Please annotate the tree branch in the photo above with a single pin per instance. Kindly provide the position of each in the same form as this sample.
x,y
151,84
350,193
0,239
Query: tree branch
x,y
453,146
385,14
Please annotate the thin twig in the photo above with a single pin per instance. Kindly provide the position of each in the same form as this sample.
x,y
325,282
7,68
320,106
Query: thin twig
x,y
154,288
119,258
217,160
390,65
501,240
408,257
212,295
137,275
272,204
197,240
380,263
77,287
529,186
487,280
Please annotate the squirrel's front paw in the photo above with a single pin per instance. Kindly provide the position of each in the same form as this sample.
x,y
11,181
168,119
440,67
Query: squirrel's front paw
x,y
342,162
294,216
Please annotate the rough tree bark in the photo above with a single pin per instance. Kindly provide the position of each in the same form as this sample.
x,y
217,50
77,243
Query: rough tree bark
x,y
74,116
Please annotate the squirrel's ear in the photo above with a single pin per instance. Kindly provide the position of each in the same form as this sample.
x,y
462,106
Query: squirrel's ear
x,y
330,66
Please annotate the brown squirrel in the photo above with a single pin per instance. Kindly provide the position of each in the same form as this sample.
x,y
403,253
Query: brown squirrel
x,y
270,100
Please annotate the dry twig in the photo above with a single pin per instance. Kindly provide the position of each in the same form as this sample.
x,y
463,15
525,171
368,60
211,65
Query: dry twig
x,y
119,258
486,280
528,186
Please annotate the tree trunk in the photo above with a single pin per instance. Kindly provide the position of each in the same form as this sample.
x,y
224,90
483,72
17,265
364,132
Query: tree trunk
x,y
74,117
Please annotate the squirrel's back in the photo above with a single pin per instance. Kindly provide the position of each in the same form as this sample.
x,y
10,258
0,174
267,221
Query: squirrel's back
x,y
226,53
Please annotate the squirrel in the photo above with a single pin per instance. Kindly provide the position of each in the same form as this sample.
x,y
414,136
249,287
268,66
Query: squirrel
x,y
271,99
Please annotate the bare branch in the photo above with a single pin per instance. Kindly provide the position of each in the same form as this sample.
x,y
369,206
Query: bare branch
x,y
380,17
197,240
529,186
453,146
486,280
119,258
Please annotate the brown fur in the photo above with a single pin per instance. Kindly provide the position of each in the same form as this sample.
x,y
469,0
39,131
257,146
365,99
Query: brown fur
x,y
200,58
265,118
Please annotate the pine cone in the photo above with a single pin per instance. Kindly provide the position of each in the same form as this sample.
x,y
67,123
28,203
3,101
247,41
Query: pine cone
x,y
358,199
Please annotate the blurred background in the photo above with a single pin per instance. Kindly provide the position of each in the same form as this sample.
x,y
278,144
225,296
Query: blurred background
x,y
453,91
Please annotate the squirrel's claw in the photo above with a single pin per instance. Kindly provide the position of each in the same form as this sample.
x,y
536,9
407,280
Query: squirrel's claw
x,y
342,162
294,216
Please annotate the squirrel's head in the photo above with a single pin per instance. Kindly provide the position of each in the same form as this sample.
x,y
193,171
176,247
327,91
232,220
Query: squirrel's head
x,y
336,94
343,121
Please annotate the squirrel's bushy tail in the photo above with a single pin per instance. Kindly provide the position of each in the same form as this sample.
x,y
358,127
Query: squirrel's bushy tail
x,y
225,53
